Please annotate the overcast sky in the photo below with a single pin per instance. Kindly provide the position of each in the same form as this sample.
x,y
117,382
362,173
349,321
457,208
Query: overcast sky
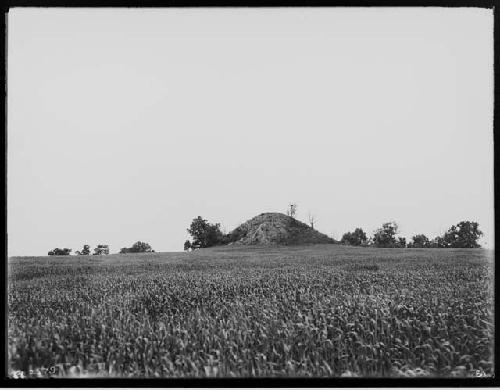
x,y
125,124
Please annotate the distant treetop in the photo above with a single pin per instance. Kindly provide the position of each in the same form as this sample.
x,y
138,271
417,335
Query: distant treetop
x,y
60,252
138,247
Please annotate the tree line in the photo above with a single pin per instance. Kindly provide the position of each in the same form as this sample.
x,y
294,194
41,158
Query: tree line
x,y
101,249
464,234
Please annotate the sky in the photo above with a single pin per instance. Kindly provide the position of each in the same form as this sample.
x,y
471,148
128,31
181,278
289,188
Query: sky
x,y
125,124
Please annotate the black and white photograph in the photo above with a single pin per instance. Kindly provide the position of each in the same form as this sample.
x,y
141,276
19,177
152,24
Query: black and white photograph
x,y
238,192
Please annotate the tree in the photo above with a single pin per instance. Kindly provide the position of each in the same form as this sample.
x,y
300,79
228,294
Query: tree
x,y
85,251
312,219
138,247
101,250
385,237
356,238
292,209
401,242
464,235
187,245
419,241
438,242
60,252
204,234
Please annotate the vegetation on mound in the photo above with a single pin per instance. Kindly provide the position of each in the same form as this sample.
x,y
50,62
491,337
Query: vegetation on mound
x,y
264,229
277,228
281,229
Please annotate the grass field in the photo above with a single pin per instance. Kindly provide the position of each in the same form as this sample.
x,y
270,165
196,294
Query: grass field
x,y
322,310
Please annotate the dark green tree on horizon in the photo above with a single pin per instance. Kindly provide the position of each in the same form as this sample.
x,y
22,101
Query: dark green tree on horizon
x,y
101,249
204,234
385,237
463,235
419,241
138,247
85,251
356,238
60,252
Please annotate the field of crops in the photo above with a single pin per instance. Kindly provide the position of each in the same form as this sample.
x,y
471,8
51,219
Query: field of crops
x,y
322,310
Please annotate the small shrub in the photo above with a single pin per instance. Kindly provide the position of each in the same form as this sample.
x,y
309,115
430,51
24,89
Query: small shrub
x,y
101,250
60,252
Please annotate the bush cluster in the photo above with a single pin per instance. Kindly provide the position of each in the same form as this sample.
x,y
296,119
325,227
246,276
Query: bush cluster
x,y
138,247
60,252
356,238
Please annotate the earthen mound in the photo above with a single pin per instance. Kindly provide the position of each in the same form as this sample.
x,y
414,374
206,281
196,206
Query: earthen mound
x,y
276,229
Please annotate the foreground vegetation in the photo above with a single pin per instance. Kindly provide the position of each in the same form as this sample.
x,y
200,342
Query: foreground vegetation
x,y
323,310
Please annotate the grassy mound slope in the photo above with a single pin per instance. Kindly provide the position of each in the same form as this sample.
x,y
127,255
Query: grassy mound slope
x,y
277,229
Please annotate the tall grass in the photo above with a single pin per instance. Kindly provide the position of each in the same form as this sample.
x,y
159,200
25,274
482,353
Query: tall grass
x,y
313,311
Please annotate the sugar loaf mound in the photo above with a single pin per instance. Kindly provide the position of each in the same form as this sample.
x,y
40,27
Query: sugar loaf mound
x,y
276,229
